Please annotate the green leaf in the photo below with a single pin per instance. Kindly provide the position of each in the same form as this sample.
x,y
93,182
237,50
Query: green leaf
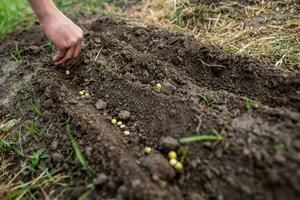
x,y
201,138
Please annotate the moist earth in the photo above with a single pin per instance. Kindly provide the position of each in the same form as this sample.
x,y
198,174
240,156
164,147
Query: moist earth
x,y
253,105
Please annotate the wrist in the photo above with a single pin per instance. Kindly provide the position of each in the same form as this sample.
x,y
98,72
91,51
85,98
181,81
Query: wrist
x,y
48,14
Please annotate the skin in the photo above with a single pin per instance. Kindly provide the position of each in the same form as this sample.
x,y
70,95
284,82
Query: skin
x,y
66,35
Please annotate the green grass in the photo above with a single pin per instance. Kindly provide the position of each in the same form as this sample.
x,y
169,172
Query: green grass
x,y
16,55
208,99
12,12
77,151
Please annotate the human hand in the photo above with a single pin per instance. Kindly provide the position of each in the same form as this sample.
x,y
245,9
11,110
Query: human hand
x,y
66,36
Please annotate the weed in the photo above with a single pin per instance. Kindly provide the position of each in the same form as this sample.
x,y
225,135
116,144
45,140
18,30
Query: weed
x,y
226,144
227,120
16,55
20,150
32,128
24,95
273,148
35,108
183,153
5,145
50,46
90,188
77,151
208,99
36,157
250,104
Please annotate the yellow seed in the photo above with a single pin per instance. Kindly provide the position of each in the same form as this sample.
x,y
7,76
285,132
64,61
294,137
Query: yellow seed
x,y
114,121
157,86
119,123
81,93
87,94
173,162
68,72
147,150
179,166
172,155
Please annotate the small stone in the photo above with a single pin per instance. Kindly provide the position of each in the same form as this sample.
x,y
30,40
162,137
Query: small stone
x,y
54,145
88,151
46,115
124,115
196,196
168,143
122,192
48,103
168,88
101,179
100,104
279,158
68,72
57,157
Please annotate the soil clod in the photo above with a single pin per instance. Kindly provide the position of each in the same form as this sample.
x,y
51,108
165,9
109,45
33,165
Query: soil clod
x,y
124,115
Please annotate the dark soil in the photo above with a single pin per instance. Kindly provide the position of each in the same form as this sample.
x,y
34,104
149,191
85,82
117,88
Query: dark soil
x,y
120,64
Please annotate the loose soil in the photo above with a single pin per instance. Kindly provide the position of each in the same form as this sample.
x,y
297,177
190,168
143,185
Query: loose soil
x,y
120,64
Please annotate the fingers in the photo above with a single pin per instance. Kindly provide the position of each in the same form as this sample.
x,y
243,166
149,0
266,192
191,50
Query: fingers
x,y
75,54
68,56
59,54
70,52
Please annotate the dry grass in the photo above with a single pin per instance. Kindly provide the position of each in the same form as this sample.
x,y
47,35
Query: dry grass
x,y
267,30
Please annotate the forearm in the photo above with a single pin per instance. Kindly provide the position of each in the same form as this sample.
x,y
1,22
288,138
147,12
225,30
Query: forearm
x,y
43,8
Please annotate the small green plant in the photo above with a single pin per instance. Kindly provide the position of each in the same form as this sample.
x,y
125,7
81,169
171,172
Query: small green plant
x,y
250,104
36,157
77,151
32,128
227,120
90,187
35,108
273,148
50,46
24,95
208,99
16,55
5,145
183,153
226,144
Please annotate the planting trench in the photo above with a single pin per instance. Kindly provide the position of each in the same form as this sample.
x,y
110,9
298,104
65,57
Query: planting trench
x,y
120,64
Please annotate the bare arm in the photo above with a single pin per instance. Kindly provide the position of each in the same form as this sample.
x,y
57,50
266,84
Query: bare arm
x,y
61,30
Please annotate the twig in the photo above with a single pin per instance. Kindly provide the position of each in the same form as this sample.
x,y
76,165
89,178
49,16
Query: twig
x,y
98,53
211,65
